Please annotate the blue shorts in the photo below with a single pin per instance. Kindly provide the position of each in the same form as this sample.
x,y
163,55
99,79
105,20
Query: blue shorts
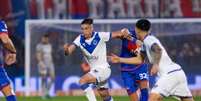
x,y
131,78
4,80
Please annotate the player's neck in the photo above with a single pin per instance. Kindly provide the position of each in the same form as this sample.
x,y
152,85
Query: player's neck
x,y
144,35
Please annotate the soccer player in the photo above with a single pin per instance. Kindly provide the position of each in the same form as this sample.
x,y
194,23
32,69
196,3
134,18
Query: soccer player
x,y
134,75
45,64
93,47
172,79
10,58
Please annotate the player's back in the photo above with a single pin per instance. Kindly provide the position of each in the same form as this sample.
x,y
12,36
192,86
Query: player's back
x,y
166,64
128,49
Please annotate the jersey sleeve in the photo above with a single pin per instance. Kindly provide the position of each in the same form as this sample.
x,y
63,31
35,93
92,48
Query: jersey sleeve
x,y
76,42
105,36
3,27
149,41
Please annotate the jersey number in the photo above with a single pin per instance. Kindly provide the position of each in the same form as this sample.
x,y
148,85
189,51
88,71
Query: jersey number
x,y
143,76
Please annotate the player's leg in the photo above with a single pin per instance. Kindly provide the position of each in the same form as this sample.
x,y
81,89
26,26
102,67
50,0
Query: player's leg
x,y
9,93
50,82
143,77
181,89
103,90
130,85
105,95
85,81
5,86
43,75
144,84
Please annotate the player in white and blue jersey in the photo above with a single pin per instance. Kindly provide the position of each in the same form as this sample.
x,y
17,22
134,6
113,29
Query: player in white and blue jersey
x,y
93,47
9,58
172,79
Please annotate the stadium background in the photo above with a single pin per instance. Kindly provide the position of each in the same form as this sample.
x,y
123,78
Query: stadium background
x,y
187,54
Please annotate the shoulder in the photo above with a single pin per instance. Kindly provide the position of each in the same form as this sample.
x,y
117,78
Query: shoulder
x,y
150,38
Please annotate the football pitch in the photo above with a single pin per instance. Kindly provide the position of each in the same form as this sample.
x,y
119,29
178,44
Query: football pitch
x,y
82,98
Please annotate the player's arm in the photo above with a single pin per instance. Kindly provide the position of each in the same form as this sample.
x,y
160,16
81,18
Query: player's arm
x,y
68,49
124,33
7,43
155,48
133,60
157,52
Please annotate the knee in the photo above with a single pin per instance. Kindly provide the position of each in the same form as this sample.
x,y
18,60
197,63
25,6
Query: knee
x,y
104,93
82,81
7,90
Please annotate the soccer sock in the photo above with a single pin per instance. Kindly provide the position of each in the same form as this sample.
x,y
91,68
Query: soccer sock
x,y
109,98
11,98
88,92
144,94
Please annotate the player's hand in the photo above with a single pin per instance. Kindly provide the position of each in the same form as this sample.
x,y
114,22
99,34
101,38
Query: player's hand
x,y
10,58
114,58
154,69
66,48
139,43
126,34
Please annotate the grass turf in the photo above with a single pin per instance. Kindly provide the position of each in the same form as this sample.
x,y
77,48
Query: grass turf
x,y
81,98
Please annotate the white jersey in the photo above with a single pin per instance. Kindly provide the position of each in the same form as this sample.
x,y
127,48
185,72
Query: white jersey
x,y
166,65
94,49
46,50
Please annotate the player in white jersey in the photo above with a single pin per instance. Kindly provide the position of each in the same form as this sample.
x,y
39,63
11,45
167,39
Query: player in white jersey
x,y
45,64
93,47
172,79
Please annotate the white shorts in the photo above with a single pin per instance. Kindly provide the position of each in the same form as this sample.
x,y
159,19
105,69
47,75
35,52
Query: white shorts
x,y
173,84
48,70
102,75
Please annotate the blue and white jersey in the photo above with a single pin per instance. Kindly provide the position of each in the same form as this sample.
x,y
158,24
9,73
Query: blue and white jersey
x,y
94,49
3,29
166,64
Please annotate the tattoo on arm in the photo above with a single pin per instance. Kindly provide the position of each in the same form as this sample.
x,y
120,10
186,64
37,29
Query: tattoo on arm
x,y
157,53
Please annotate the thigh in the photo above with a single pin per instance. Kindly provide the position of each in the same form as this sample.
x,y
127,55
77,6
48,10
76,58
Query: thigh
x,y
87,78
142,73
51,71
101,74
181,89
129,82
165,85
4,80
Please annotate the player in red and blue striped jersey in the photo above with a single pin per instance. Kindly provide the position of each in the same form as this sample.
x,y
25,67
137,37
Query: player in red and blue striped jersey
x,y
134,76
10,58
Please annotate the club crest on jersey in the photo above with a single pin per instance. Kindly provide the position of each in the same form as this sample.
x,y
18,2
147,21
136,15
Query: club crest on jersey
x,y
94,42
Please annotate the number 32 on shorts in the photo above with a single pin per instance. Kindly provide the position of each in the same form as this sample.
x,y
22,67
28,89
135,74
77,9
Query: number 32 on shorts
x,y
143,76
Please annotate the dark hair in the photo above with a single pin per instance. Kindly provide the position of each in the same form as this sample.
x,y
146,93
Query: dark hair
x,y
46,35
87,21
143,24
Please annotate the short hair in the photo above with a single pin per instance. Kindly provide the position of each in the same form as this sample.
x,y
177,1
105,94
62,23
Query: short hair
x,y
46,35
87,21
143,24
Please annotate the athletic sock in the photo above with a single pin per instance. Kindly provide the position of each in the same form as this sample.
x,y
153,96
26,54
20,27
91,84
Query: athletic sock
x,y
88,92
11,98
144,94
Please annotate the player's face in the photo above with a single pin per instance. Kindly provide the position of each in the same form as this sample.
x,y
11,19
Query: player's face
x,y
45,40
138,33
87,30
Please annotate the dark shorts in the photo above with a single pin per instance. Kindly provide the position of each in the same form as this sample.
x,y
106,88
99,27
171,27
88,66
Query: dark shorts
x,y
131,78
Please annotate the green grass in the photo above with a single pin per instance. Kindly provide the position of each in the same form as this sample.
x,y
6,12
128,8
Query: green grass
x,y
81,98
